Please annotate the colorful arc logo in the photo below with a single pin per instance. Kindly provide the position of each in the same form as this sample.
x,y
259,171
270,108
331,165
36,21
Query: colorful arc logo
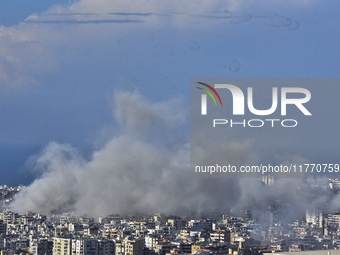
x,y
204,97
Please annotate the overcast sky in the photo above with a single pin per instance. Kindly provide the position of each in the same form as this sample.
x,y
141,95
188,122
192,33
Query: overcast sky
x,y
62,61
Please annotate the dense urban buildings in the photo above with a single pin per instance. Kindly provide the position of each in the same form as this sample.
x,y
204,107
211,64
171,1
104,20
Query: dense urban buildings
x,y
159,234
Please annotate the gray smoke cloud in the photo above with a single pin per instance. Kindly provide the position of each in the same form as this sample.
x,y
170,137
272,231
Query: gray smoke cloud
x,y
144,169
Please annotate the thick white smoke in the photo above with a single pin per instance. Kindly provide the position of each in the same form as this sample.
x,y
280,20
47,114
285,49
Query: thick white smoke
x,y
143,169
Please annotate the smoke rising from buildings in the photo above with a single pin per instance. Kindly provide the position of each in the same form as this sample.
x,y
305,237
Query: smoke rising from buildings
x,y
143,169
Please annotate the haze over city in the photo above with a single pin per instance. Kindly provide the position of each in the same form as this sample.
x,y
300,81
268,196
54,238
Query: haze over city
x,y
94,112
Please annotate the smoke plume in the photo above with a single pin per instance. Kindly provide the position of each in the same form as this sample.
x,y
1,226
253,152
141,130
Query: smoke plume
x,y
144,169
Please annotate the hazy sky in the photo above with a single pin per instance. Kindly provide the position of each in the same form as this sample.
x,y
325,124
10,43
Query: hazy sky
x,y
62,61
